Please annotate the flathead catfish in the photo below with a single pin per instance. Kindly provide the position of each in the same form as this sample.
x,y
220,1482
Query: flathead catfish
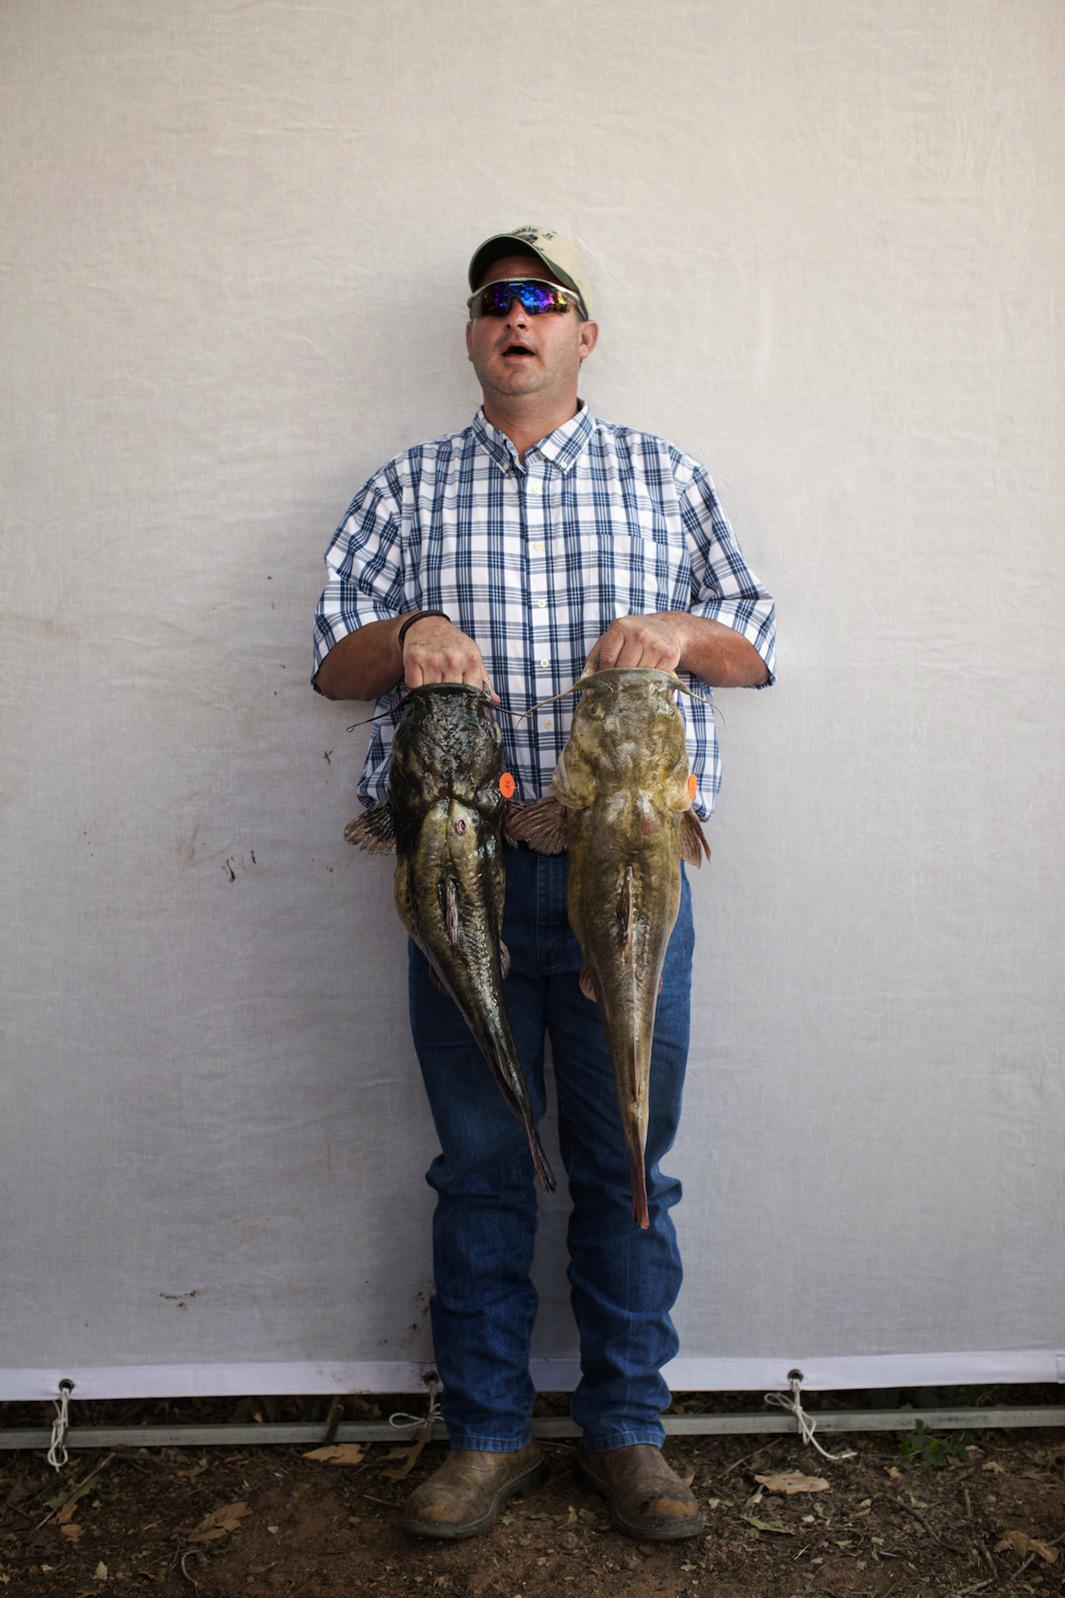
x,y
444,818
620,801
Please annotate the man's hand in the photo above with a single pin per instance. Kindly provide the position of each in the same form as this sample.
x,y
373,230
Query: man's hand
x,y
654,640
435,650
675,640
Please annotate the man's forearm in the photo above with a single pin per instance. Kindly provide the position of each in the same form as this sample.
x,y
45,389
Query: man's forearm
x,y
371,661
718,654
365,664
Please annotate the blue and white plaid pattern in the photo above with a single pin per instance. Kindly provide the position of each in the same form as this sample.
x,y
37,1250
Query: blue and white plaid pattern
x,y
534,564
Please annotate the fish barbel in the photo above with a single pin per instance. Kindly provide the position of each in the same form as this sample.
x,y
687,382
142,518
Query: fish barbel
x,y
620,801
443,818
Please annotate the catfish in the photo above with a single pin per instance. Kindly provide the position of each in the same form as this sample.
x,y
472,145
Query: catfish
x,y
620,801
443,818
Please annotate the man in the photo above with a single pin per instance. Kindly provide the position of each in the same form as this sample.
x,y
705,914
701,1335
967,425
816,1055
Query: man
x,y
534,543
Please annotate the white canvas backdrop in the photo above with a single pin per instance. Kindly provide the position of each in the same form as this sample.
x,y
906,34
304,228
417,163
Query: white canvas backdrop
x,y
826,245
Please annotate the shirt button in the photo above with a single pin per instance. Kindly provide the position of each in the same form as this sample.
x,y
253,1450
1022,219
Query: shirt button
x,y
538,548
542,604
545,664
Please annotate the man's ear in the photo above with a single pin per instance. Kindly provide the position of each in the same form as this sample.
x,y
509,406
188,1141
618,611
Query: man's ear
x,y
469,335
589,335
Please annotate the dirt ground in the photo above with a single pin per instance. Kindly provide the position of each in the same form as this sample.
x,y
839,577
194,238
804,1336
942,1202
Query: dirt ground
x,y
947,1513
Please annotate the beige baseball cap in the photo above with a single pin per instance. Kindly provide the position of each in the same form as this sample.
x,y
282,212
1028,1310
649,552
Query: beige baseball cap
x,y
560,256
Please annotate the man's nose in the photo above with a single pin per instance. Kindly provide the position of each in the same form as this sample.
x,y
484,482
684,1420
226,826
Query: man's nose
x,y
517,315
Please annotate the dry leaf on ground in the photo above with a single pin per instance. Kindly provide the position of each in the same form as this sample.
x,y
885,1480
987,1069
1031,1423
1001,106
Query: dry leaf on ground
x,y
1022,1544
71,1531
410,1456
218,1523
338,1454
86,1485
768,1525
793,1481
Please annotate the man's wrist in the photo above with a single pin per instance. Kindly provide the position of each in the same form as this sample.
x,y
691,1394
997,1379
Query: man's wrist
x,y
418,615
680,621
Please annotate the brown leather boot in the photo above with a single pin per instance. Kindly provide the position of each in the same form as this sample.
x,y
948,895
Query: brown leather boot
x,y
646,1497
465,1495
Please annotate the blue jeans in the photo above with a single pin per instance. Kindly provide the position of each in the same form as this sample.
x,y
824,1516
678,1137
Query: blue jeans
x,y
624,1280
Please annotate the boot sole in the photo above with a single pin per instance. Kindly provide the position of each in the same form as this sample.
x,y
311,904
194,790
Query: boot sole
x,y
663,1532
454,1531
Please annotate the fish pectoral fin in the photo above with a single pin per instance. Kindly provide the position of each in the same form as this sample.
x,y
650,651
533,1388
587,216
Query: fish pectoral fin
x,y
504,960
587,986
693,844
541,824
374,830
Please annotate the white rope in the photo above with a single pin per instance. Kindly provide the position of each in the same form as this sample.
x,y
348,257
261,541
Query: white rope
x,y
403,1422
806,1422
57,1453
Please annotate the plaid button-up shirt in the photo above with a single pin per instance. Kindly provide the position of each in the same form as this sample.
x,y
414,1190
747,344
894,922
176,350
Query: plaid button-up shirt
x,y
534,562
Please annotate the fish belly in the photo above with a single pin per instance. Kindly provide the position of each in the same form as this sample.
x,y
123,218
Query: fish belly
x,y
451,899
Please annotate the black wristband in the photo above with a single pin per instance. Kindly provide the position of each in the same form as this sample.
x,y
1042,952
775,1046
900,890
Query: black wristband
x,y
418,614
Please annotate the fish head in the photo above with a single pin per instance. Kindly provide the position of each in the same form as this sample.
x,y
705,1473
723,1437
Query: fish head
x,y
627,734
447,745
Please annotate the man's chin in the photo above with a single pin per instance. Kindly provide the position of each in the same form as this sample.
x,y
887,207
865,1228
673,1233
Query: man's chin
x,y
514,383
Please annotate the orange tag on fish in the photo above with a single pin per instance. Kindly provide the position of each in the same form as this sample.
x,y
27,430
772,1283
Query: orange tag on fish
x,y
506,785
693,785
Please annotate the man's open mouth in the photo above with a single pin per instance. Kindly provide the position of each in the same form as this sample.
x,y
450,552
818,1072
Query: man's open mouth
x,y
518,350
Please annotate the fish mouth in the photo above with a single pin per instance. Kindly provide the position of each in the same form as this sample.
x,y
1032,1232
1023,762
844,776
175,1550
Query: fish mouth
x,y
447,688
637,674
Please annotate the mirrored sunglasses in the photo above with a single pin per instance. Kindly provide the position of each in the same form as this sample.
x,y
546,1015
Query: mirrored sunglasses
x,y
535,293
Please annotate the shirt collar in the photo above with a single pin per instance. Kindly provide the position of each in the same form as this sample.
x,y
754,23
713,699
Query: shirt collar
x,y
561,448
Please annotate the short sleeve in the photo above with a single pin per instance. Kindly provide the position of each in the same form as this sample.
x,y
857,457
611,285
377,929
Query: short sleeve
x,y
364,569
724,588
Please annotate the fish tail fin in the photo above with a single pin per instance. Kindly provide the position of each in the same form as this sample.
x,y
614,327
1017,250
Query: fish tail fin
x,y
544,1174
638,1178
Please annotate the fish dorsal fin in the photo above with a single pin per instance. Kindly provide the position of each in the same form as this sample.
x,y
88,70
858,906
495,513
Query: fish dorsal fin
x,y
693,844
541,824
374,830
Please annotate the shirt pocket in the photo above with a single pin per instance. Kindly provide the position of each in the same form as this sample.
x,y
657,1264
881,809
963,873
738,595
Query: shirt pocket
x,y
631,570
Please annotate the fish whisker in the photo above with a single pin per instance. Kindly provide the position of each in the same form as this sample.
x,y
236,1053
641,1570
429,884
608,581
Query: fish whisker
x,y
582,682
693,695
381,714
